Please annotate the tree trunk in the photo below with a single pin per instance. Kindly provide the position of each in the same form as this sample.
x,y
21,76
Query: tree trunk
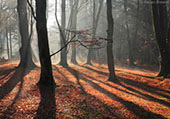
x,y
160,18
25,50
131,59
2,37
95,24
74,28
46,77
7,43
1,45
168,36
110,58
133,44
10,40
63,57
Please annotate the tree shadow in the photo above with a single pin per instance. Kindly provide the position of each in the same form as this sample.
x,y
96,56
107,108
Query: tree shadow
x,y
5,89
8,111
151,77
134,108
47,106
77,76
5,73
151,98
64,78
17,77
106,74
143,86
139,85
94,70
107,84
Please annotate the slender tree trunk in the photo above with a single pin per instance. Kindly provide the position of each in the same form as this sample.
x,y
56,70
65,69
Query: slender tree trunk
x,y
63,57
133,44
160,18
95,24
74,28
110,58
31,33
131,59
1,39
1,45
46,77
137,20
10,40
169,36
73,56
25,50
2,36
7,43
89,55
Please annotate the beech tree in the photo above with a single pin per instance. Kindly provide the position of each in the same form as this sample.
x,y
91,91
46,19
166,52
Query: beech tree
x,y
95,20
63,57
74,11
160,18
46,77
25,50
110,58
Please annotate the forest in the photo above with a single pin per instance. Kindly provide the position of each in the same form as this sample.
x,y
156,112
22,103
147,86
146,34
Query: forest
x,y
84,59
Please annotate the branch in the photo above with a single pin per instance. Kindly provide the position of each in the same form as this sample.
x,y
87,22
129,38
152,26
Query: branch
x,y
63,46
60,29
90,48
32,10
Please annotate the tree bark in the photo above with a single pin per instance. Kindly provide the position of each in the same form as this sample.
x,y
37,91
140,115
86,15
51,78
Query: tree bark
x,y
7,43
10,40
25,50
74,28
131,58
63,57
160,18
46,77
168,36
133,44
110,58
95,24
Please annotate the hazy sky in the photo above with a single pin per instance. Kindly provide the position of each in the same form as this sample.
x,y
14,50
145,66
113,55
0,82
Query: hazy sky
x,y
51,13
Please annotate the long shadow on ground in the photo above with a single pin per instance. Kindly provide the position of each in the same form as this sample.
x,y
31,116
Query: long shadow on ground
x,y
5,89
140,85
17,77
134,108
137,84
106,74
110,110
94,70
5,73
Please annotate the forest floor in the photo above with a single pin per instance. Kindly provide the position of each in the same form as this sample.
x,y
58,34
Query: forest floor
x,y
83,92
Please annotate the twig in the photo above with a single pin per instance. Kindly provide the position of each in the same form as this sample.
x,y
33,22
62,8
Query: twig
x,y
88,47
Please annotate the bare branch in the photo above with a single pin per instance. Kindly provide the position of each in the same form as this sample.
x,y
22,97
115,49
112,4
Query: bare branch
x,y
32,10
63,46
